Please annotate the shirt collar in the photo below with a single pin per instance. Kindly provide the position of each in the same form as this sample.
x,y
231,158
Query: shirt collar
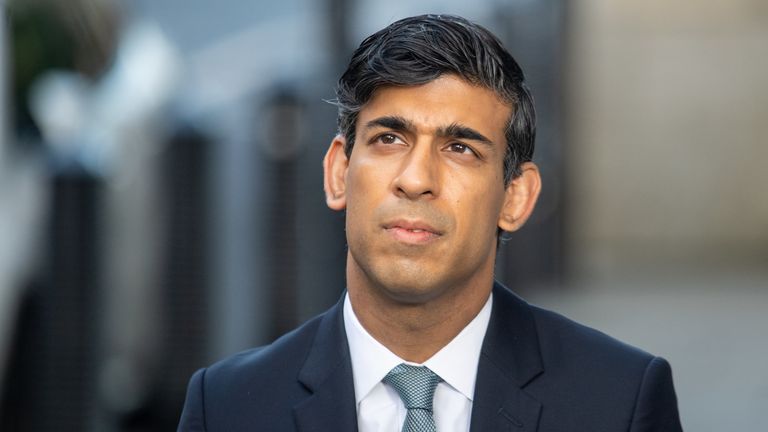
x,y
456,363
371,361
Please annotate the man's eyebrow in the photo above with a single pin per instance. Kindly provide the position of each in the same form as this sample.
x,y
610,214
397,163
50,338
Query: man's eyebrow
x,y
391,122
458,131
455,130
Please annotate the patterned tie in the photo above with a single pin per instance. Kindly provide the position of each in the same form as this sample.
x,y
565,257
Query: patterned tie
x,y
416,387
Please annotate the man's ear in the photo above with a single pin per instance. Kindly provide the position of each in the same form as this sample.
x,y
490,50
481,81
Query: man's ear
x,y
520,198
335,166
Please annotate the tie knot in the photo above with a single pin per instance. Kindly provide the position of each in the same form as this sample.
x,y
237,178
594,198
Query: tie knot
x,y
415,385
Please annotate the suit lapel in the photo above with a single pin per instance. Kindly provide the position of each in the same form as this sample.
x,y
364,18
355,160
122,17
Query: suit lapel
x,y
327,374
509,360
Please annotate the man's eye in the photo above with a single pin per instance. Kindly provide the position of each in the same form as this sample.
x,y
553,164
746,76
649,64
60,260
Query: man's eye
x,y
461,148
387,139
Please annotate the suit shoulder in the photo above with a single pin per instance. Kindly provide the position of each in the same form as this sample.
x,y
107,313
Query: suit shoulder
x,y
283,356
254,389
592,378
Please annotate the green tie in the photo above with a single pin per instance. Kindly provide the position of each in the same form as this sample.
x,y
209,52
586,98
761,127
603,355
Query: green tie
x,y
416,387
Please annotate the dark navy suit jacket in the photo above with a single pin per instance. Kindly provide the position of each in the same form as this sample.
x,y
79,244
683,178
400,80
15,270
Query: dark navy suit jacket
x,y
538,371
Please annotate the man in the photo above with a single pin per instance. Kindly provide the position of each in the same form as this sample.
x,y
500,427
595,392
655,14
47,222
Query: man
x,y
432,162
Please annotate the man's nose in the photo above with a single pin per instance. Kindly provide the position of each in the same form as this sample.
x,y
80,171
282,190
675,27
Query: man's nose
x,y
419,174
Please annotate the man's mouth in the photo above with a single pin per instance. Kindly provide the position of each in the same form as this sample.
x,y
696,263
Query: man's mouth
x,y
412,232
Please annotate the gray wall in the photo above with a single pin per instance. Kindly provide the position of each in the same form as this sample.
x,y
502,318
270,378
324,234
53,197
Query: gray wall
x,y
668,108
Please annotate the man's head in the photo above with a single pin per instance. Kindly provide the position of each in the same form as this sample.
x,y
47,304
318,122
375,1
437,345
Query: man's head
x,y
417,50
432,158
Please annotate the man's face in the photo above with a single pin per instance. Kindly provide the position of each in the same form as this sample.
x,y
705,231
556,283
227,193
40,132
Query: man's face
x,y
424,188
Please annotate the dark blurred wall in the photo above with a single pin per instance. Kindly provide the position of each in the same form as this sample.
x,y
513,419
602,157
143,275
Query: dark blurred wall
x,y
534,257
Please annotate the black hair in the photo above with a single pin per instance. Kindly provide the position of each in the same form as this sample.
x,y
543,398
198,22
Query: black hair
x,y
419,49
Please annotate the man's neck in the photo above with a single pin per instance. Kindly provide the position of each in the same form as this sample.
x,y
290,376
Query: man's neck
x,y
416,331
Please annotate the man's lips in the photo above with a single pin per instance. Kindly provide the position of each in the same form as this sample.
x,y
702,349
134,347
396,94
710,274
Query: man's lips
x,y
414,232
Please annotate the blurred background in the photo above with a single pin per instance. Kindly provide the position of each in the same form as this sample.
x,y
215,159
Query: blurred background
x,y
161,197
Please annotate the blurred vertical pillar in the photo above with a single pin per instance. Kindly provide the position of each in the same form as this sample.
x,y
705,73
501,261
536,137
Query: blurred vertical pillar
x,y
321,240
533,33
185,271
4,84
284,122
238,306
338,34
157,316
62,373
5,327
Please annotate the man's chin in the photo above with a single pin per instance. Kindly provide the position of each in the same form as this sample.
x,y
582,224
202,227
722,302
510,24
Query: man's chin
x,y
411,290
404,279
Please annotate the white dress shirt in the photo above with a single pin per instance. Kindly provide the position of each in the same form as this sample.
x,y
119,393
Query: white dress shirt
x,y
379,407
